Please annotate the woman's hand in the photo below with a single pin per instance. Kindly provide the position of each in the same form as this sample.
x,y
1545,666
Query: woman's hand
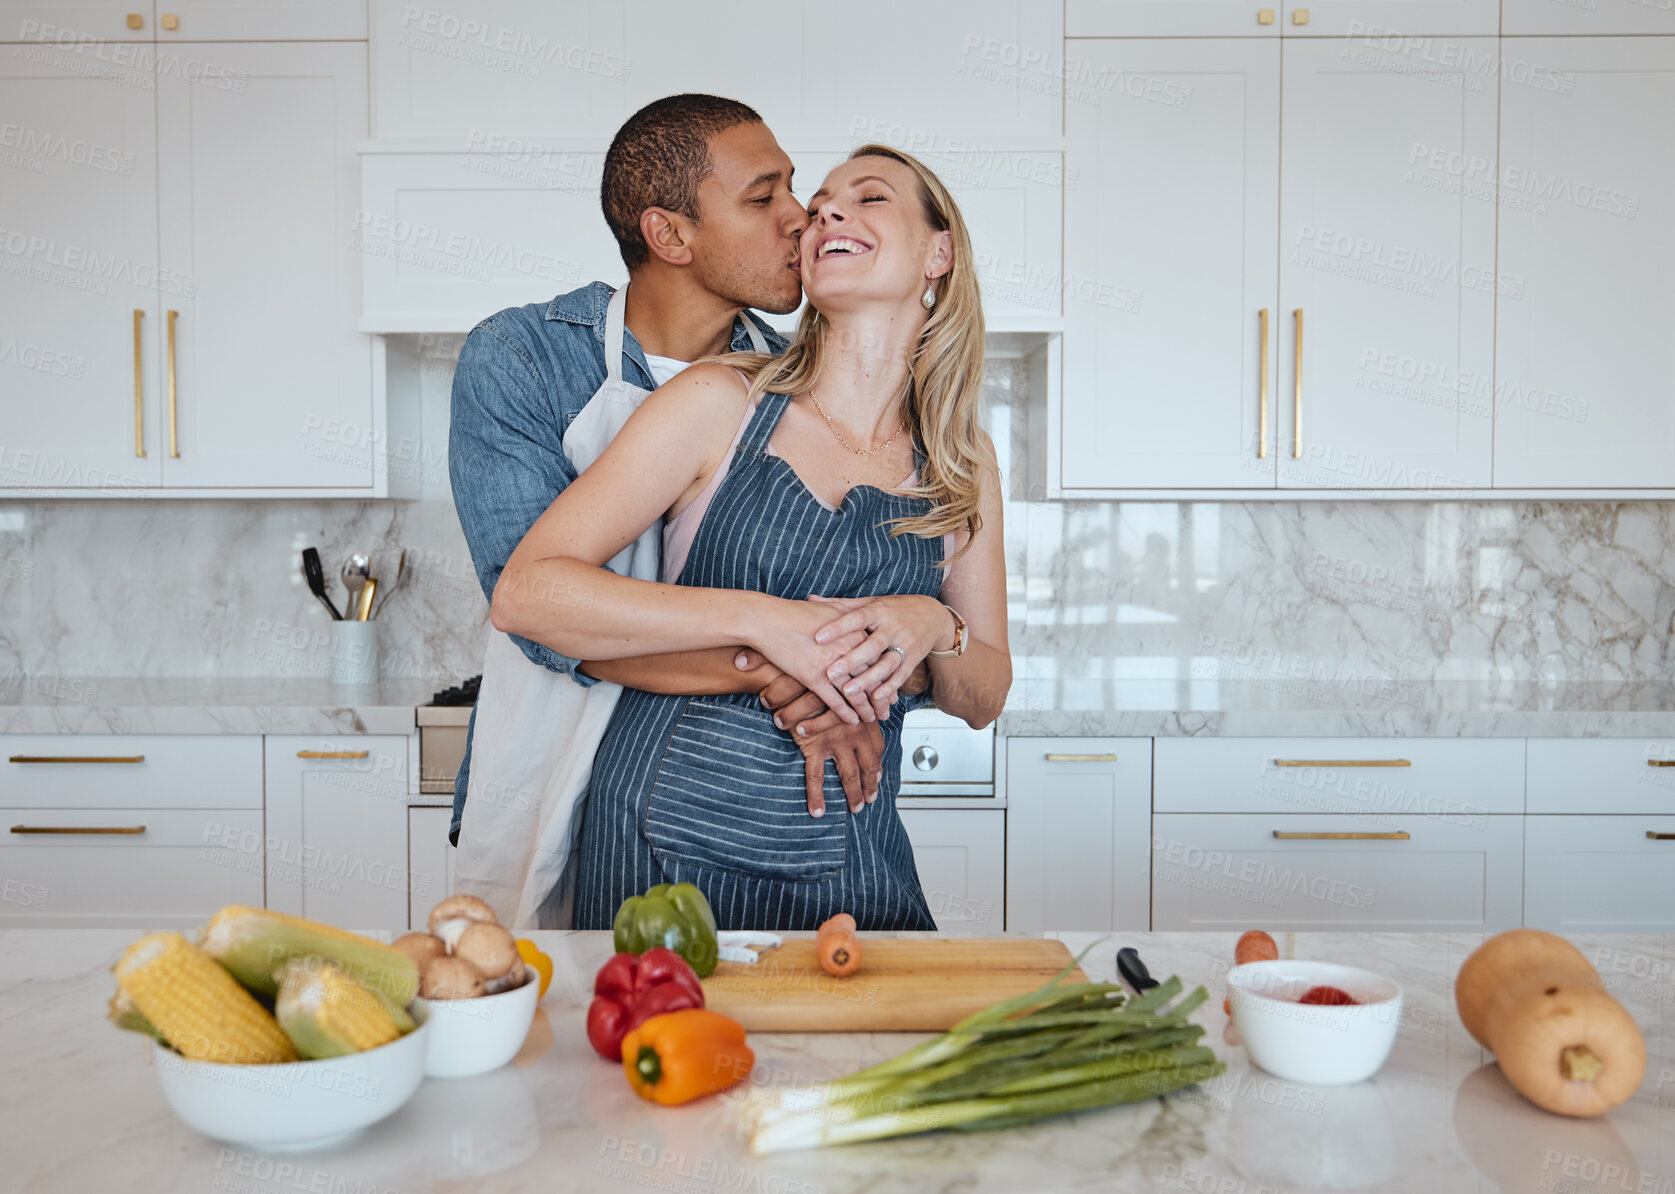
x,y
786,636
872,673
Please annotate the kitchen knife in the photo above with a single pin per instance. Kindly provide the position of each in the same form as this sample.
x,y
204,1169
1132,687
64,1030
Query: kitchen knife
x,y
315,575
1134,971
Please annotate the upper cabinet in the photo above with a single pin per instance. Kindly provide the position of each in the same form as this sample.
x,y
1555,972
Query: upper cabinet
x,y
1587,16
1172,274
1366,20
72,21
577,69
1585,377
1386,272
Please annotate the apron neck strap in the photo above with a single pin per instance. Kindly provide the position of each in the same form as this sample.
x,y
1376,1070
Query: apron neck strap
x,y
614,313
756,340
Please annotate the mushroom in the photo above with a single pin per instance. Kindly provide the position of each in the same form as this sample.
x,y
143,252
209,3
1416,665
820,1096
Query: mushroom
x,y
455,914
450,978
421,947
492,951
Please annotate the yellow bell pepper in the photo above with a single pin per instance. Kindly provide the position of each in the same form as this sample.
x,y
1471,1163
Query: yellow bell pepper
x,y
542,965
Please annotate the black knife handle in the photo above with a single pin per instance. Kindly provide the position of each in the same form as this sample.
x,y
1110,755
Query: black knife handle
x,y
1133,970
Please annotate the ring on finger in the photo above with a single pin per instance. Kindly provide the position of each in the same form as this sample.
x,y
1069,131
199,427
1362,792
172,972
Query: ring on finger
x,y
901,656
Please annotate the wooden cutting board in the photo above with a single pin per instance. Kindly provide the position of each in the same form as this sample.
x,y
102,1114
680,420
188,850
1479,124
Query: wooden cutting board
x,y
925,984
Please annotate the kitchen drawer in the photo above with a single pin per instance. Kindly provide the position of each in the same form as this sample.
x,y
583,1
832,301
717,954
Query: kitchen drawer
x,y
171,771
1599,874
1457,780
176,874
1602,775
1231,872
961,858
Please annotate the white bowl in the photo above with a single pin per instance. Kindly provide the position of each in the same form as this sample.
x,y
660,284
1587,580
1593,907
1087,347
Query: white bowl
x,y
1316,1043
296,1104
474,1036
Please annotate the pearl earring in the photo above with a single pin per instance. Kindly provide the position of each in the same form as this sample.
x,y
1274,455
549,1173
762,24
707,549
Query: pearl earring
x,y
929,298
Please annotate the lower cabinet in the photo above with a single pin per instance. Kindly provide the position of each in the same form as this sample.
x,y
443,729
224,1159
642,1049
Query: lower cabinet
x,y
1599,874
1274,871
337,829
430,862
1078,833
961,857
140,868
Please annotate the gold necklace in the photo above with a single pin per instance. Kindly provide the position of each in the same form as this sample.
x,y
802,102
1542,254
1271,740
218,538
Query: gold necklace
x,y
832,427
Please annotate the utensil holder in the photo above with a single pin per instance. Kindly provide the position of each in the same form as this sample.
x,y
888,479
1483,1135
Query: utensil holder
x,y
354,652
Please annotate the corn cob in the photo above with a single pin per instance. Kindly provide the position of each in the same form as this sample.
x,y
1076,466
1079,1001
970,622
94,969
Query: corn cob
x,y
127,1017
255,943
326,1013
197,1006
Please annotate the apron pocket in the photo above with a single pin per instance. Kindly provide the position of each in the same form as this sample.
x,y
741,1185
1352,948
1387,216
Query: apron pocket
x,y
730,795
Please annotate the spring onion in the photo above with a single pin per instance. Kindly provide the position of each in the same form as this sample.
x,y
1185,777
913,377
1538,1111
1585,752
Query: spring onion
x,y
1063,1048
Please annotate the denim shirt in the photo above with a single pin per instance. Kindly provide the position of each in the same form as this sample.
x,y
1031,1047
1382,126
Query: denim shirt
x,y
524,374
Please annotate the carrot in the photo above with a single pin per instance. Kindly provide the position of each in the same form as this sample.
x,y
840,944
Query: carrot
x,y
1255,946
838,947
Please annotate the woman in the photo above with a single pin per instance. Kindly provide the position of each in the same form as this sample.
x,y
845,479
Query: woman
x,y
791,530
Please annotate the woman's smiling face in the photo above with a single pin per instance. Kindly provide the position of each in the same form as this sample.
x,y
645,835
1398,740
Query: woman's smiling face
x,y
867,240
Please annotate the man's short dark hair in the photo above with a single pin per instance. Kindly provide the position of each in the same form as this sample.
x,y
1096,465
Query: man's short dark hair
x,y
658,158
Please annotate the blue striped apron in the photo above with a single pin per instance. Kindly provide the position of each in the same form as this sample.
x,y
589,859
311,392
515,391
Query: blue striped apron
x,y
706,790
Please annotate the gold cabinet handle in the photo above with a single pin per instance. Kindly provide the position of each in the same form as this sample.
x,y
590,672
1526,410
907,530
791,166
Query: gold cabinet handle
x,y
1264,16
332,754
174,444
1400,835
136,21
1262,409
172,22
1342,763
1299,16
122,829
1660,762
1052,758
139,388
1660,837
1297,395
76,759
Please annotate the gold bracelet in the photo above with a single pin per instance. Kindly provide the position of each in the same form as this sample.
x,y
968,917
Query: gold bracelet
x,y
962,633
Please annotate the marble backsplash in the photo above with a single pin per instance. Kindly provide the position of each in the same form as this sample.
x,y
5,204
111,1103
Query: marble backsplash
x,y
1348,593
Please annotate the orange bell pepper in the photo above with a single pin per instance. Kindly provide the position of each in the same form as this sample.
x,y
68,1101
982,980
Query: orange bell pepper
x,y
680,1056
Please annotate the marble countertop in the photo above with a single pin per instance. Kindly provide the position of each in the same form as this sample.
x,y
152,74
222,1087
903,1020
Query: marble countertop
x,y
210,705
82,1110
1241,705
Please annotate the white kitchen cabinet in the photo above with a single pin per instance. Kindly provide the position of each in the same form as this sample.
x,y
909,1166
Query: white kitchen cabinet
x,y
131,771
1525,17
430,861
1584,380
1078,833
1370,22
1599,874
961,858
578,70
70,21
1401,874
272,20
140,868
1170,267
1602,775
1167,18
1386,273
79,305
337,828
259,189
1460,780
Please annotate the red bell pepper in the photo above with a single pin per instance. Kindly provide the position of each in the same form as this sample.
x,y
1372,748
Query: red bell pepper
x,y
632,988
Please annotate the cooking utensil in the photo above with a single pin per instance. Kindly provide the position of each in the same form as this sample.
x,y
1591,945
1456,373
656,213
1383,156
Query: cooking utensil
x,y
1134,971
920,984
363,607
315,575
400,579
356,569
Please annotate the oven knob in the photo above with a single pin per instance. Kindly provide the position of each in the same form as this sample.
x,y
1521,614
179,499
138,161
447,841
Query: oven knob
x,y
925,758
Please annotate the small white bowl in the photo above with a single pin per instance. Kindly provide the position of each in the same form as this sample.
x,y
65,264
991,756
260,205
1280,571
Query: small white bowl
x,y
1316,1043
295,1104
474,1036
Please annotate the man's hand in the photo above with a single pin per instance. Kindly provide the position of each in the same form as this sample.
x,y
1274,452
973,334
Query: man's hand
x,y
858,753
800,712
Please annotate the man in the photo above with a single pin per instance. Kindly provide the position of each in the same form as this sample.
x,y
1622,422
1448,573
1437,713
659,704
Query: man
x,y
698,195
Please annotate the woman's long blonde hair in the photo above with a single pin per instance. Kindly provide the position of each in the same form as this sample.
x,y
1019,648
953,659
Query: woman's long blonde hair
x,y
946,372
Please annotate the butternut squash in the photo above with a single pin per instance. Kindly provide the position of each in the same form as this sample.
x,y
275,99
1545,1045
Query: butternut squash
x,y
1563,1042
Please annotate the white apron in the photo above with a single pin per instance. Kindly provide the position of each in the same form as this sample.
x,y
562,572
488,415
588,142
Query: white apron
x,y
537,730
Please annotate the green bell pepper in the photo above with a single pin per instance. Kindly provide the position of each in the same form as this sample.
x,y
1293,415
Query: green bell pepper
x,y
672,915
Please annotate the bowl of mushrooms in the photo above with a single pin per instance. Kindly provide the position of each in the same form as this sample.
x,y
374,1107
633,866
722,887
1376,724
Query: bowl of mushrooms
x,y
481,994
